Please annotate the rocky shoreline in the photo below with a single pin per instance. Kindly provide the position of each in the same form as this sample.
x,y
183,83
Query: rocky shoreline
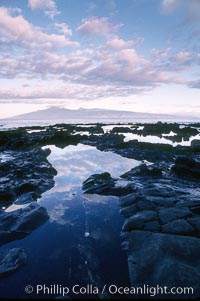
x,y
160,201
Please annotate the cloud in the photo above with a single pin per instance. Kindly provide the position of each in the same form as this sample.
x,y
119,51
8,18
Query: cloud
x,y
48,6
63,28
19,30
118,43
99,26
182,57
170,5
190,7
123,68
113,68
194,84
45,94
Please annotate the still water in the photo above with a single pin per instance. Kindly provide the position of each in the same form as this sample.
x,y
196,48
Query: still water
x,y
80,244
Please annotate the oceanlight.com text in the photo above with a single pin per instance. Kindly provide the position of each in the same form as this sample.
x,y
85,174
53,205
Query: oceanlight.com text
x,y
112,289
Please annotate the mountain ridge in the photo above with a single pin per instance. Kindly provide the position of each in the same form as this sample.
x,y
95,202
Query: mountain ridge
x,y
62,113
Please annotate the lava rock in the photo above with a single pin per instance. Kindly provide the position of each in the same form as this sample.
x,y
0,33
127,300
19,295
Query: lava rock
x,y
129,210
152,226
179,226
128,199
143,170
137,220
186,167
33,217
195,222
12,261
19,223
195,144
169,214
164,260
104,184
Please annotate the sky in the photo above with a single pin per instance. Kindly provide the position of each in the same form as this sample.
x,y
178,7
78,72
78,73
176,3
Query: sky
x,y
134,55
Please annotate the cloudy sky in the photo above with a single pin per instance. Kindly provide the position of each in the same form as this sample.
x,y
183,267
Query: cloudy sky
x,y
136,55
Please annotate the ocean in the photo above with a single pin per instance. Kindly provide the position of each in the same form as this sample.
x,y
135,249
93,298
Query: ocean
x,y
10,123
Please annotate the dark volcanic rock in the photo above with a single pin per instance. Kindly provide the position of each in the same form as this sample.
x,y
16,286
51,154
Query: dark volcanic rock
x,y
129,210
179,226
137,220
195,222
143,170
32,217
104,184
16,224
164,260
12,261
128,199
169,214
25,198
26,171
195,144
186,167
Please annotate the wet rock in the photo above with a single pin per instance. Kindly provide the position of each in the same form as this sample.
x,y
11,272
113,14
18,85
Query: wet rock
x,y
12,261
195,209
152,226
143,170
164,260
159,190
195,222
169,214
195,144
6,194
161,201
104,184
145,205
25,198
128,200
179,226
137,221
129,210
16,224
27,171
33,216
27,186
186,167
133,223
98,183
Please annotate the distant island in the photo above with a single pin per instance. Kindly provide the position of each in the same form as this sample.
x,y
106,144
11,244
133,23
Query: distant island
x,y
62,113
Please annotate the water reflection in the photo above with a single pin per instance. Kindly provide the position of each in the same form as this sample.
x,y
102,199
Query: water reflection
x,y
156,139
75,164
80,243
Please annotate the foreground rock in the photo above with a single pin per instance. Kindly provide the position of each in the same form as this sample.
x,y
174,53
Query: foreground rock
x,y
12,261
19,223
143,170
24,172
160,260
106,185
187,167
161,232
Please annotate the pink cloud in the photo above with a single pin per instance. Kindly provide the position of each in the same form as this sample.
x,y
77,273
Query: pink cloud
x,y
95,25
63,28
182,56
48,6
47,95
17,29
118,43
160,54
128,56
